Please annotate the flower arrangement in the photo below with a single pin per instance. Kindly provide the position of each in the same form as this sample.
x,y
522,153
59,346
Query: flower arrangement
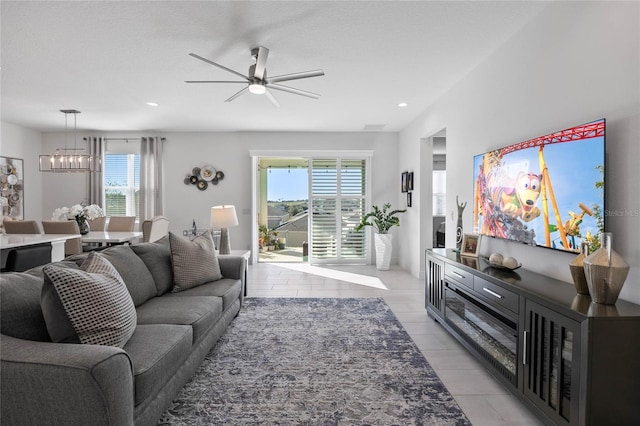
x,y
78,211
80,214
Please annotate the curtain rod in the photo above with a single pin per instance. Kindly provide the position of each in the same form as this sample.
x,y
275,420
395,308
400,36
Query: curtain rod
x,y
122,139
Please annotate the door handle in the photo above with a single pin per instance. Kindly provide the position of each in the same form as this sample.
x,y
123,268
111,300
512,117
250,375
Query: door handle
x,y
457,275
525,340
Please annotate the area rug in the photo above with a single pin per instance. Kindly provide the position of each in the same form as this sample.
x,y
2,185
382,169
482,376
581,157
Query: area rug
x,y
291,361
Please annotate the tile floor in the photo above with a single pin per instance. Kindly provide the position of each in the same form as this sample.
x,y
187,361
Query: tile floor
x,y
484,400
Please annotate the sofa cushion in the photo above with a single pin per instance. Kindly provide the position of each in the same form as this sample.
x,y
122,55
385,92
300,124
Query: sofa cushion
x,y
226,288
134,272
157,351
157,257
194,262
20,307
198,312
90,305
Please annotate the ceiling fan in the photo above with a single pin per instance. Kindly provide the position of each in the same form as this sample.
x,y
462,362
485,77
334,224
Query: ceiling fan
x,y
257,81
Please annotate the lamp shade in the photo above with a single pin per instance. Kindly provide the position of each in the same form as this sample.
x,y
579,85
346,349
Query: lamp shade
x,y
223,216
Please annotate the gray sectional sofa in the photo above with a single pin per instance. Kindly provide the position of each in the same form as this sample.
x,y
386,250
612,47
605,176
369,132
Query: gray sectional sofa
x,y
76,384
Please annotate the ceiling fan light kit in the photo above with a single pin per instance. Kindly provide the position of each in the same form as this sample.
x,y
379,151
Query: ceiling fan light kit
x,y
257,81
257,88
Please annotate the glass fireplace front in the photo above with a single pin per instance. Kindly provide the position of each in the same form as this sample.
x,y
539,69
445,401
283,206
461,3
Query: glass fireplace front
x,y
490,333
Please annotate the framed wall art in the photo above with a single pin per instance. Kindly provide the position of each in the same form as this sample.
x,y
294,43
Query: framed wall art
x,y
12,187
404,181
410,181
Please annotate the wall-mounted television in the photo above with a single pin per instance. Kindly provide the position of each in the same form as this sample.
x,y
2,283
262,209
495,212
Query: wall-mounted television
x,y
547,191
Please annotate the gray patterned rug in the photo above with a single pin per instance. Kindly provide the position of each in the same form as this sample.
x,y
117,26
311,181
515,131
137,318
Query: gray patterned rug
x,y
286,361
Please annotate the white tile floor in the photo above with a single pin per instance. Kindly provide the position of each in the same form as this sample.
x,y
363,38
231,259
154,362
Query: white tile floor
x,y
484,400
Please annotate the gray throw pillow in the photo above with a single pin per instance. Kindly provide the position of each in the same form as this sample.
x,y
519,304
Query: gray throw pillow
x,y
90,305
194,262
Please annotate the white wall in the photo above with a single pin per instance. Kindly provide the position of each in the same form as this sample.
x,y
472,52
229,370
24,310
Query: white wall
x,y
19,142
229,152
574,63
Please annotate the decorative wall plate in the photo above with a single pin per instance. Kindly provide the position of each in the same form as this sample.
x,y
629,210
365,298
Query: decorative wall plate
x,y
207,172
202,185
219,175
12,179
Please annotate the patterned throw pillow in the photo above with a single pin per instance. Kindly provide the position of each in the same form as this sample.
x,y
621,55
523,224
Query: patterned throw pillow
x,y
194,262
90,305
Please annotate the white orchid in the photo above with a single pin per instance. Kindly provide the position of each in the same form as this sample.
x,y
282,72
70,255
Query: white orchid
x,y
61,214
93,211
77,211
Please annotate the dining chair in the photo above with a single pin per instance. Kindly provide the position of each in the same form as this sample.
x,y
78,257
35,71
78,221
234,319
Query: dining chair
x,y
155,228
72,245
21,227
97,224
25,258
121,223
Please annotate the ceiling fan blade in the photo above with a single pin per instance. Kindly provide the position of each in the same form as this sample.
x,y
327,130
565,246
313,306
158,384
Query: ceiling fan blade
x,y
295,76
261,54
209,81
272,98
218,65
246,89
293,90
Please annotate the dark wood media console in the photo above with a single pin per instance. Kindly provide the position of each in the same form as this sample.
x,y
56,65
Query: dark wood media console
x,y
571,361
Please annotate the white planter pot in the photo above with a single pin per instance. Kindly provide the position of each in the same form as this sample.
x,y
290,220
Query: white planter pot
x,y
384,248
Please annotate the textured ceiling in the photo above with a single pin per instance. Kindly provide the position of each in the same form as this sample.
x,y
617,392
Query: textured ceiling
x,y
107,59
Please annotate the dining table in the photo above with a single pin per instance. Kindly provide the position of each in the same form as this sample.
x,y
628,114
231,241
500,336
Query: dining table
x,y
106,237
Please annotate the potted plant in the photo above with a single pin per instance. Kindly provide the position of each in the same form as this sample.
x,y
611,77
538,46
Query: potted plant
x,y
382,221
263,239
273,245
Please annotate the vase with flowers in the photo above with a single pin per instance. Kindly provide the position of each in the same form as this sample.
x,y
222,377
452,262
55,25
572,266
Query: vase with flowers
x,y
80,213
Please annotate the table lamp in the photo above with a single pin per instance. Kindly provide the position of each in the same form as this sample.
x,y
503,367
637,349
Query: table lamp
x,y
224,217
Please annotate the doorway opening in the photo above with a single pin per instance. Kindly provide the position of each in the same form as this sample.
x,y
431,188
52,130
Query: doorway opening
x,y
283,216
439,189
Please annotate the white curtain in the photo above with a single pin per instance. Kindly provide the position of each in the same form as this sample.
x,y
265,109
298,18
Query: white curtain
x,y
151,177
96,186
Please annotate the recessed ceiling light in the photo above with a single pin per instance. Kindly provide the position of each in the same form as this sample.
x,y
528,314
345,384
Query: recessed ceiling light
x,y
402,104
154,104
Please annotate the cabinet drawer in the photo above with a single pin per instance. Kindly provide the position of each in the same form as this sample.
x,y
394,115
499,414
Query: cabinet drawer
x,y
458,275
496,294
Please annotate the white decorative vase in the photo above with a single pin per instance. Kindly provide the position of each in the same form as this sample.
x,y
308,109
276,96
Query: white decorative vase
x,y
383,251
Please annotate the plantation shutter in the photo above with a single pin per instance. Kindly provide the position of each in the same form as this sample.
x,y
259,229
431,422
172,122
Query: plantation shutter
x,y
338,199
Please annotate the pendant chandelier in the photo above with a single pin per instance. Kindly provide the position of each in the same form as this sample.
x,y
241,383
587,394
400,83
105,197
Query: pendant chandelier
x,y
70,160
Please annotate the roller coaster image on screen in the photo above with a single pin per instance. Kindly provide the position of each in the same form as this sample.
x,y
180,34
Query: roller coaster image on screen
x,y
547,191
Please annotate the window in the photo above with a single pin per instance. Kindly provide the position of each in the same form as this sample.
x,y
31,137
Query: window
x,y
122,184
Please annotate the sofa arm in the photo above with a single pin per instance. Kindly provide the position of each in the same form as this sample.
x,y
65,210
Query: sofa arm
x,y
65,384
233,267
